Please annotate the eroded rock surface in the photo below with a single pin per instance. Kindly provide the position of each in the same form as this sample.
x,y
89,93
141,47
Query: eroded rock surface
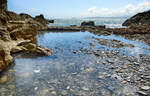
x,y
18,34
139,19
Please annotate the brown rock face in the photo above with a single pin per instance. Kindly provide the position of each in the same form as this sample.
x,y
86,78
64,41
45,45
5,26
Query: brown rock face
x,y
139,19
18,33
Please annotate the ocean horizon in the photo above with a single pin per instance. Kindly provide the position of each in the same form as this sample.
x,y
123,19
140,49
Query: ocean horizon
x,y
110,22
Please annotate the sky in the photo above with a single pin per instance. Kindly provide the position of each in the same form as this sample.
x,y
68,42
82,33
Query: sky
x,y
79,8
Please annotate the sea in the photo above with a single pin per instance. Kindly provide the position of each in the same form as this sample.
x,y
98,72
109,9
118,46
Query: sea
x,y
110,22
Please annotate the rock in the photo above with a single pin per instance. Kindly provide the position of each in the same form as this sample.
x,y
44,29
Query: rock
x,y
41,19
18,33
64,92
139,19
124,82
42,51
85,88
101,77
3,5
146,88
16,49
25,16
51,21
142,93
89,23
53,93
3,79
62,28
30,46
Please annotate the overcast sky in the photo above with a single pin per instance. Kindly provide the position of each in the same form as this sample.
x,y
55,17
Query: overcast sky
x,y
79,8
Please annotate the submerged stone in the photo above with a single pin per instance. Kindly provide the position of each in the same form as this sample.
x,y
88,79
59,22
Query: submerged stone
x,y
3,79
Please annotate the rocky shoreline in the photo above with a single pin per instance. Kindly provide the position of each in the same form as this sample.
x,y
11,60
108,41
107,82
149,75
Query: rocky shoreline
x,y
18,34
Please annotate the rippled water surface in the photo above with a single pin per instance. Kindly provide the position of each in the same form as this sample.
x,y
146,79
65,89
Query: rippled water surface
x,y
111,22
70,70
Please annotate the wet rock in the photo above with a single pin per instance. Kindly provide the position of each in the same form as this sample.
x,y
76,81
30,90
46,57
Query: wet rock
x,y
53,93
3,79
30,46
142,93
124,82
64,92
85,88
146,88
89,23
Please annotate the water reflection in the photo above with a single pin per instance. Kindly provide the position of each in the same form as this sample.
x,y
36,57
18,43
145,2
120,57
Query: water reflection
x,y
69,71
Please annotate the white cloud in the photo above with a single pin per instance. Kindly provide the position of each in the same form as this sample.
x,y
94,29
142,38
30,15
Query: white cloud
x,y
127,10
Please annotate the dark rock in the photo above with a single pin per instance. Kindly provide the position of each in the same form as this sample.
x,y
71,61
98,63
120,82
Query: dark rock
x,y
51,21
139,19
25,16
3,5
61,28
89,23
41,19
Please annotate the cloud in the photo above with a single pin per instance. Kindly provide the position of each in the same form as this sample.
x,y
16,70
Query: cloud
x,y
127,10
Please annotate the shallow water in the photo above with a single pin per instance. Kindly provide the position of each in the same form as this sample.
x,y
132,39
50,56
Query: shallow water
x,y
69,71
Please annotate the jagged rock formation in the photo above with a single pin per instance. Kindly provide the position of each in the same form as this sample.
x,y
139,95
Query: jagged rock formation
x,y
18,34
139,19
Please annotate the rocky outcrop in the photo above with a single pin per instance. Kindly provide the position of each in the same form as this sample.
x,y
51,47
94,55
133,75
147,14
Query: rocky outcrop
x,y
3,5
88,23
18,34
41,19
62,28
139,19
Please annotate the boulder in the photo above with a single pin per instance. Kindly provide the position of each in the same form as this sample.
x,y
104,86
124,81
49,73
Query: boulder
x,y
88,23
41,19
139,19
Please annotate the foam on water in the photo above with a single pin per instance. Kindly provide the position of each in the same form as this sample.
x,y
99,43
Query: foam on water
x,y
111,22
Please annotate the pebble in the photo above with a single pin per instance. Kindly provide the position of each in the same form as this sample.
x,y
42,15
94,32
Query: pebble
x,y
142,93
101,77
3,79
146,88
35,88
36,71
85,88
124,82
53,92
64,92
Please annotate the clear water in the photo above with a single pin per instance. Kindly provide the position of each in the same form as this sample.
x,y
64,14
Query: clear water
x,y
66,73
111,22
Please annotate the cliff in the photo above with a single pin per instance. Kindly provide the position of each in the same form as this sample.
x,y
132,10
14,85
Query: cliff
x,y
139,19
18,34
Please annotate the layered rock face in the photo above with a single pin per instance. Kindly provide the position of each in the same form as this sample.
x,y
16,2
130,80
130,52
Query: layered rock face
x,y
139,19
18,34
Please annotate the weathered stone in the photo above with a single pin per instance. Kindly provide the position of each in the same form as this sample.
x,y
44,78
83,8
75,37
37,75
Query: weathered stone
x,y
145,88
3,79
30,46
139,19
